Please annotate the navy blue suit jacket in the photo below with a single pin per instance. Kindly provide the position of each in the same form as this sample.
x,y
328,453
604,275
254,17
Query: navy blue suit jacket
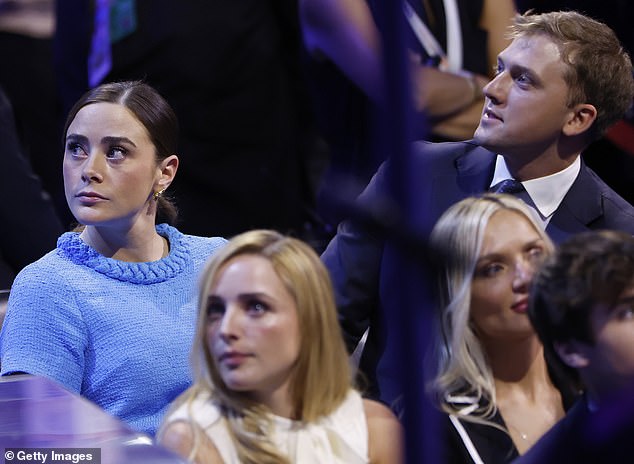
x,y
366,268
585,437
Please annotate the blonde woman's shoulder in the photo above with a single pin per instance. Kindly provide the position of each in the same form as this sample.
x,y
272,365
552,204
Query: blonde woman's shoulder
x,y
385,433
183,429
179,437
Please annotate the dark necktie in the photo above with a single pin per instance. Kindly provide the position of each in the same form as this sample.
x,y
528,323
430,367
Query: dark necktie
x,y
515,188
511,186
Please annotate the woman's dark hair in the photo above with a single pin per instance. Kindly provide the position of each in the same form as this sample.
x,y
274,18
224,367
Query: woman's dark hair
x,y
152,111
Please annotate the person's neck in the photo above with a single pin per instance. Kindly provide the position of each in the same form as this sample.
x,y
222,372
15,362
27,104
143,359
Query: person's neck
x,y
518,366
278,401
527,166
525,396
139,243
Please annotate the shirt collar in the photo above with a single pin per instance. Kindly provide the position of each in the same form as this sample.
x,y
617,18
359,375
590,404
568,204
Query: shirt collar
x,y
546,192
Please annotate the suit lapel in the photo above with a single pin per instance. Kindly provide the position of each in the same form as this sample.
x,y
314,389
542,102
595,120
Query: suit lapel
x,y
475,170
581,206
469,174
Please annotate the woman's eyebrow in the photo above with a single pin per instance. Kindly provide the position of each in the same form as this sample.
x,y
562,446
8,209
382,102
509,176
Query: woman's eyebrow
x,y
109,139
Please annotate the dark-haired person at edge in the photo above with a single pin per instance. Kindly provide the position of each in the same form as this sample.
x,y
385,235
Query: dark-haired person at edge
x,y
110,313
560,83
582,308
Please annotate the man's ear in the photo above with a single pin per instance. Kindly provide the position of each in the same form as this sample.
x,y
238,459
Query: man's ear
x,y
582,116
573,354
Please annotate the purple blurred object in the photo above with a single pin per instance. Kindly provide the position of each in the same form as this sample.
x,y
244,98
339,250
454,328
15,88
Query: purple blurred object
x,y
36,412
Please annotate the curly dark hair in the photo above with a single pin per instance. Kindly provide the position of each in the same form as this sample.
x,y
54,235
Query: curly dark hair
x,y
589,268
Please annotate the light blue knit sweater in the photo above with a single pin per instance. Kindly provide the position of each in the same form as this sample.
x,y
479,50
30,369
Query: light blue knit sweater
x,y
118,333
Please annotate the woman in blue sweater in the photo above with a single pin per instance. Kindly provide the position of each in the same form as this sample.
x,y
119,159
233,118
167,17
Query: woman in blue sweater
x,y
110,313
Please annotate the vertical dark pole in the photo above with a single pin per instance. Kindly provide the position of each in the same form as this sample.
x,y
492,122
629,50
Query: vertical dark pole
x,y
409,325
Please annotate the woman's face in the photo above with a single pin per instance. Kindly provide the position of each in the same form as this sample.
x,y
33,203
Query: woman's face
x,y
511,250
253,328
110,168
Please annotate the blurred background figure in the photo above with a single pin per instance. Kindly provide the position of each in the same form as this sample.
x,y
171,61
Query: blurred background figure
x,y
273,382
453,48
27,75
30,223
492,379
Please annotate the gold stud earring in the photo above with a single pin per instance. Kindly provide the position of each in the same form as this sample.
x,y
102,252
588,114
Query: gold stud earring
x,y
158,194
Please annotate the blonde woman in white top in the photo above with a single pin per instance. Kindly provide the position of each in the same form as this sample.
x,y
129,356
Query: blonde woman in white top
x,y
272,376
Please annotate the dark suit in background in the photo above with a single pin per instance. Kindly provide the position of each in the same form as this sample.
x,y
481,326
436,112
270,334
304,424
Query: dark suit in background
x,y
29,224
586,436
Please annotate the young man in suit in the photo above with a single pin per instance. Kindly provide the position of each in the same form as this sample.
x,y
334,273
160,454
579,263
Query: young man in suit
x,y
561,82
582,308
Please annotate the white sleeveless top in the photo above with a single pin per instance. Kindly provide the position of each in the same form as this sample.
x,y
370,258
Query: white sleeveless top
x,y
341,437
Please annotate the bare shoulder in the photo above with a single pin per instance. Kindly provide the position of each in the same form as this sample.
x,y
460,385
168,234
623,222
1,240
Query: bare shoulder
x,y
385,433
179,437
376,410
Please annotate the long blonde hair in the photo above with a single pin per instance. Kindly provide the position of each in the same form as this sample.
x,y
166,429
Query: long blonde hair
x,y
461,363
321,377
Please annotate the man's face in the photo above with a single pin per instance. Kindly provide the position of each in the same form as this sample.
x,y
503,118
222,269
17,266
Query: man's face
x,y
525,107
611,358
